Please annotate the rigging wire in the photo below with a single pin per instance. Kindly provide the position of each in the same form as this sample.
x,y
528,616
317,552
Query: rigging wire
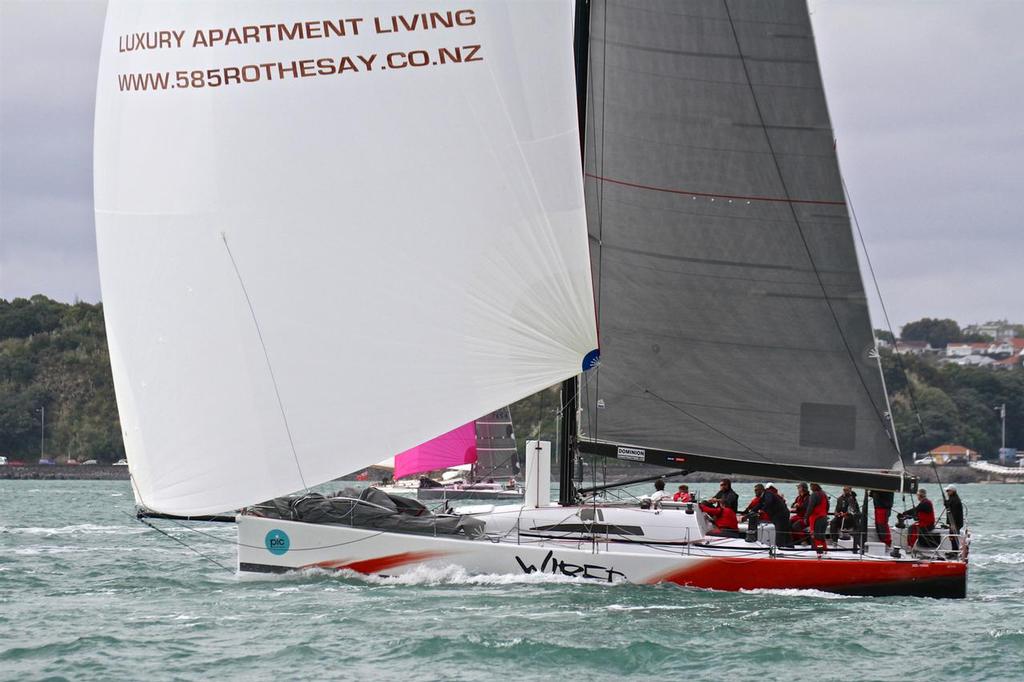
x,y
888,324
181,542
266,356
796,219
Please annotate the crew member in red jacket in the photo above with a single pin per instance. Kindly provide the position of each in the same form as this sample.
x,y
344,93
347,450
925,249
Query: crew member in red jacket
x,y
817,518
683,494
924,515
723,516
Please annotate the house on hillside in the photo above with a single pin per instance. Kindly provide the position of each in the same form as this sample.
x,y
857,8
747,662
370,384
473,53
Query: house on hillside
x,y
998,330
954,454
1005,348
1012,362
962,350
914,347
973,361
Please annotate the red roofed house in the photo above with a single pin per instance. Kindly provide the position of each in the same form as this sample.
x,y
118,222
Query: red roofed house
x,y
954,454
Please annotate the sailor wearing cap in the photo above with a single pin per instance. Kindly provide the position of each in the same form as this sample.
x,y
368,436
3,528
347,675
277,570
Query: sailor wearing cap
x,y
954,515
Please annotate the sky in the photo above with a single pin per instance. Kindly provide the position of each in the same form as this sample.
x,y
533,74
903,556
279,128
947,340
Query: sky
x,y
926,98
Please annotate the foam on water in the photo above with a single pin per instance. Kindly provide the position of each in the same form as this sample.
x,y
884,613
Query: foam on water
x,y
817,594
457,575
1008,558
77,529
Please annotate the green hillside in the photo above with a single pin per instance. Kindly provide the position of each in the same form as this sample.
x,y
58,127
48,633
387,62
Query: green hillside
x,y
54,355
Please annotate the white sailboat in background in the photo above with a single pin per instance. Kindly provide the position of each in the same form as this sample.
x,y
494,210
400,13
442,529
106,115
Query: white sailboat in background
x,y
313,217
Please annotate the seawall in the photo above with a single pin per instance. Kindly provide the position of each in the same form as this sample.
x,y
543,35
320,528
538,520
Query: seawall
x,y
62,472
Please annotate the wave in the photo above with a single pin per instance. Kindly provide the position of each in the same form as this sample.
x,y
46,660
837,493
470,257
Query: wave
x,y
654,607
1008,558
78,529
789,592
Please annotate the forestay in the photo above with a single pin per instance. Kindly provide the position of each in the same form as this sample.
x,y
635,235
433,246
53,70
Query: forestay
x,y
330,231
732,312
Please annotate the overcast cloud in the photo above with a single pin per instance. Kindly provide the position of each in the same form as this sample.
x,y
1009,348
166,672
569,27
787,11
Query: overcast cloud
x,y
926,100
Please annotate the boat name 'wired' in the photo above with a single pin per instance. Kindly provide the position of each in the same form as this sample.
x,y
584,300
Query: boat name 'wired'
x,y
556,566
300,30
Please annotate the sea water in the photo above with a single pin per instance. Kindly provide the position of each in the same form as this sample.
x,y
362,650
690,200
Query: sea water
x,y
89,593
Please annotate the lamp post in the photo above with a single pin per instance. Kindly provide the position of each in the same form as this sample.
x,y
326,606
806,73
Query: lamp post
x,y
1001,409
1002,413
42,432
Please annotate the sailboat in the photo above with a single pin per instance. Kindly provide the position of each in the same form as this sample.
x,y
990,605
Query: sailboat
x,y
328,232
472,455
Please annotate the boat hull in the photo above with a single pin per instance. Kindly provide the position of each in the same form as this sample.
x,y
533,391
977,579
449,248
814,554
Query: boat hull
x,y
277,546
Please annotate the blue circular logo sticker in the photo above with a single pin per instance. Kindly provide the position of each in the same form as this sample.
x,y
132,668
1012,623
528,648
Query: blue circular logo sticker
x,y
277,542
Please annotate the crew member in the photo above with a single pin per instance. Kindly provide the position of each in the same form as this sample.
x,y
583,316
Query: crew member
x,y
723,516
727,495
755,503
846,519
954,516
817,518
797,523
659,493
883,507
683,494
773,506
924,518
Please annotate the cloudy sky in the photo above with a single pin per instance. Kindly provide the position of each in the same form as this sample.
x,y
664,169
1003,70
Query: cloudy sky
x,y
927,101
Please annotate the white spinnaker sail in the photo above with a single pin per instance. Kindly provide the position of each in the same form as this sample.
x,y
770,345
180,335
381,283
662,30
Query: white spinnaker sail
x,y
306,271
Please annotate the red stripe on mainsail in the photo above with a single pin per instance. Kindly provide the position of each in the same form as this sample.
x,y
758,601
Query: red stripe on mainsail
x,y
377,564
670,190
737,573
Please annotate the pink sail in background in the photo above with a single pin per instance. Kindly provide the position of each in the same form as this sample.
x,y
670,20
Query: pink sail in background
x,y
451,449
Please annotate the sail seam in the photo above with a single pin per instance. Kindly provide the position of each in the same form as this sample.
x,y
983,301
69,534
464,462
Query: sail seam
x,y
714,195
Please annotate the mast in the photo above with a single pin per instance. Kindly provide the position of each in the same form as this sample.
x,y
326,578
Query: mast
x,y
568,427
567,443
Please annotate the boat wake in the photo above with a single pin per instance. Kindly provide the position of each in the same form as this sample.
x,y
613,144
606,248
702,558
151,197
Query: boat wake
x,y
457,575
801,593
427,576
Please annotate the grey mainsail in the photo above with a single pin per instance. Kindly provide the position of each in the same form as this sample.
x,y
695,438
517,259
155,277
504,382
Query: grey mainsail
x,y
732,315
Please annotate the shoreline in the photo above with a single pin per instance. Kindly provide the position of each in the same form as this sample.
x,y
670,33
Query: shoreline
x,y
63,472
109,472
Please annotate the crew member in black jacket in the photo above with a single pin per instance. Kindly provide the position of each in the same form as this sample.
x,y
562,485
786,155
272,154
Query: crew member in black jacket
x,y
774,505
954,516
727,495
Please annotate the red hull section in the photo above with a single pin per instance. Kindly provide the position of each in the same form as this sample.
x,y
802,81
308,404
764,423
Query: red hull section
x,y
879,578
379,564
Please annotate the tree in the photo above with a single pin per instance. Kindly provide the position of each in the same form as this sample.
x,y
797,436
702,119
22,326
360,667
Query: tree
x,y
939,419
938,333
883,335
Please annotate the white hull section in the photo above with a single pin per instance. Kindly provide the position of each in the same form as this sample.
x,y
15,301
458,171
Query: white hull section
x,y
649,547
